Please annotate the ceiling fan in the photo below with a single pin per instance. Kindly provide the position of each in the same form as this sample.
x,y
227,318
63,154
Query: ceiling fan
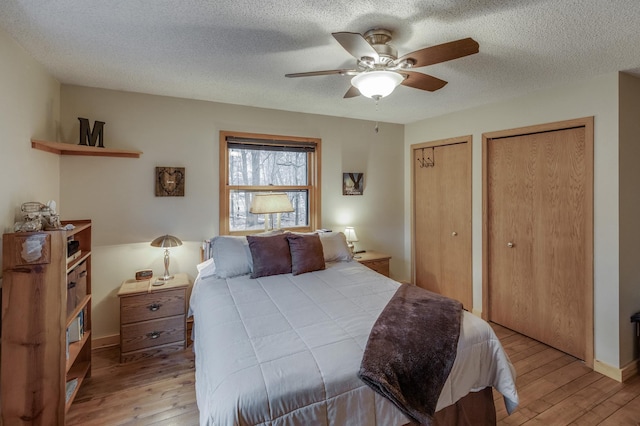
x,y
379,70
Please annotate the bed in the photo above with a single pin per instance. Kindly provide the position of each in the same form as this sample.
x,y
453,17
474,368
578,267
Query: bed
x,y
286,348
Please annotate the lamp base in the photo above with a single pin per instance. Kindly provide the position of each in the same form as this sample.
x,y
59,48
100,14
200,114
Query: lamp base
x,y
166,276
352,247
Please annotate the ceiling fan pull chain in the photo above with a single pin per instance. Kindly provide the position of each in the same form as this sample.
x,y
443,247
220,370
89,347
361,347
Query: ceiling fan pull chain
x,y
375,129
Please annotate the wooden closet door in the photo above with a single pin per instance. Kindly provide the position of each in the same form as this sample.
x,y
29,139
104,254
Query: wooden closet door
x,y
427,200
538,219
442,222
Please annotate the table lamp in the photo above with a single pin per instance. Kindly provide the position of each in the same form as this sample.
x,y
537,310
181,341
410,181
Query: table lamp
x,y
351,237
165,242
268,203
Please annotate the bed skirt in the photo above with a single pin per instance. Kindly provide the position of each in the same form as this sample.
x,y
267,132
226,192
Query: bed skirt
x,y
475,409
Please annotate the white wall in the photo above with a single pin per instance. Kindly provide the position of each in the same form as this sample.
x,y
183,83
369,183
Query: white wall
x,y
29,107
629,211
595,97
118,193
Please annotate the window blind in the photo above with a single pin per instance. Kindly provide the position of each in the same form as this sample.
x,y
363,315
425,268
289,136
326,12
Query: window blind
x,y
270,145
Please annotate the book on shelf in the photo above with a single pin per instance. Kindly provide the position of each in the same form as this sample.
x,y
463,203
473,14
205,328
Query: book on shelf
x,y
70,387
74,331
76,328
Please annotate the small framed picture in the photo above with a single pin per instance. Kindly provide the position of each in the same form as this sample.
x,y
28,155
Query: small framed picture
x,y
169,181
352,183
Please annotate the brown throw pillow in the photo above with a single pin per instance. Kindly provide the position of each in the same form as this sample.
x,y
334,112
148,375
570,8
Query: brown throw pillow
x,y
306,253
271,255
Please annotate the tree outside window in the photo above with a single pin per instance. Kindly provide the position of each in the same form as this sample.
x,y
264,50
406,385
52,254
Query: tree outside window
x,y
261,163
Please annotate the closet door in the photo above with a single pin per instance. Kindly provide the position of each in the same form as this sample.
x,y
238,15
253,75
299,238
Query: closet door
x,y
539,249
442,218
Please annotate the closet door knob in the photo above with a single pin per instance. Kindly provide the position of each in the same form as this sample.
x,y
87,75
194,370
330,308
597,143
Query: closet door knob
x,y
454,233
510,244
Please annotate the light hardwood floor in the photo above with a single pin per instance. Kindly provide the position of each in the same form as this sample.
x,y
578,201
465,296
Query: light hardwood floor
x,y
554,389
158,391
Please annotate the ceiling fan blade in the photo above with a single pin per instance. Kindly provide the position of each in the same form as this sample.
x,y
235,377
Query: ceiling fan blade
x,y
417,80
352,93
356,45
441,53
327,72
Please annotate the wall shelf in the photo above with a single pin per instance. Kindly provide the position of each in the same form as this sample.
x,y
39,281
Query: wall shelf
x,y
70,149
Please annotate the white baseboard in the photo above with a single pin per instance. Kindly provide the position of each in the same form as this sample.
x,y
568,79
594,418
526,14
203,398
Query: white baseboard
x,y
618,374
105,342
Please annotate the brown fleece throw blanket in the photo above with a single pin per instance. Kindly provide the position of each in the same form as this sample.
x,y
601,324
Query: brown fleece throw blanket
x,y
411,349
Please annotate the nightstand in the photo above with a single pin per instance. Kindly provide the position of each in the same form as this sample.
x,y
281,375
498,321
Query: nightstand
x,y
379,262
153,319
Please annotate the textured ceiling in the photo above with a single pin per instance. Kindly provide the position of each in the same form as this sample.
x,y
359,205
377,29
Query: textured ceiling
x,y
237,51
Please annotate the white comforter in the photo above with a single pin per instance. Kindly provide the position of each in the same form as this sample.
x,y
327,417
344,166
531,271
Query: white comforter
x,y
285,350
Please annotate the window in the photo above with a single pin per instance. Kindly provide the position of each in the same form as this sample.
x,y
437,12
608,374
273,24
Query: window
x,y
254,163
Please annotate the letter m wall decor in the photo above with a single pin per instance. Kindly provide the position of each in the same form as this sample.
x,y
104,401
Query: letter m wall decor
x,y
90,137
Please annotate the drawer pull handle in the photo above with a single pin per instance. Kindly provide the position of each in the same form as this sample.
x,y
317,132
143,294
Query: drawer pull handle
x,y
153,335
154,307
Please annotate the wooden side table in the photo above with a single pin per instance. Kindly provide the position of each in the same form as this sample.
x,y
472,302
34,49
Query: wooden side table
x,y
377,261
153,319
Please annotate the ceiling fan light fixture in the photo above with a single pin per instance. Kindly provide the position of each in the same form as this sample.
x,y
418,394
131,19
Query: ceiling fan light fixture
x,y
377,84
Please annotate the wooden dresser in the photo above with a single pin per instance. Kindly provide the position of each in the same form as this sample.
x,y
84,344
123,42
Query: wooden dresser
x,y
153,319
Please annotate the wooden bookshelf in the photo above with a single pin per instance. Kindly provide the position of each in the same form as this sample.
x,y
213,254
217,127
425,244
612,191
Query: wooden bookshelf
x,y
43,294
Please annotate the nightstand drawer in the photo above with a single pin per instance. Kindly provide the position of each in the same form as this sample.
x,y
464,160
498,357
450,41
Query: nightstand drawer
x,y
380,266
379,262
147,334
153,305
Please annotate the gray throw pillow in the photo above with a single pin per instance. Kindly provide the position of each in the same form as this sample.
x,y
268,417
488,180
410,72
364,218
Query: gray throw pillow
x,y
231,256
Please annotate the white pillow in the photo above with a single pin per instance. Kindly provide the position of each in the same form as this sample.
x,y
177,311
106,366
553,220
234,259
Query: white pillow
x,y
206,268
206,265
334,246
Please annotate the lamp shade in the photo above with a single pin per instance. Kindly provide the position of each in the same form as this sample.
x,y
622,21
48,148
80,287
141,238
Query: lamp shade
x,y
350,234
377,84
270,202
166,241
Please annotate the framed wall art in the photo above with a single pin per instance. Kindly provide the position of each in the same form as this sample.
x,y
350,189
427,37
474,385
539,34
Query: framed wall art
x,y
170,181
352,183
